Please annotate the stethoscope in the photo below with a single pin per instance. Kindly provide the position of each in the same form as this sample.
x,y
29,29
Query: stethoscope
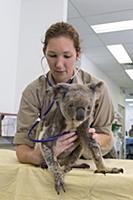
x,y
55,137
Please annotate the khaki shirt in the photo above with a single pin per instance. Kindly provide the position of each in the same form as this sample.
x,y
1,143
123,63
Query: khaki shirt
x,y
34,103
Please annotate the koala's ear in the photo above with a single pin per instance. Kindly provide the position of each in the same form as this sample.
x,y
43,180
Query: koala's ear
x,y
61,88
58,90
96,86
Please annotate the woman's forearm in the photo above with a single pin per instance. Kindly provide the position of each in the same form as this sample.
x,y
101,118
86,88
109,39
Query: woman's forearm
x,y
26,154
105,141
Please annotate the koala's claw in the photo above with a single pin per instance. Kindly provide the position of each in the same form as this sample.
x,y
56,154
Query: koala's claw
x,y
82,166
110,170
43,165
59,185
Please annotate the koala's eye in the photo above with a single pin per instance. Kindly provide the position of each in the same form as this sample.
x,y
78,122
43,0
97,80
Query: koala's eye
x,y
64,94
70,105
88,107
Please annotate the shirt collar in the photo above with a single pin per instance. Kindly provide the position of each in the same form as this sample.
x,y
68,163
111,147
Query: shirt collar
x,y
76,79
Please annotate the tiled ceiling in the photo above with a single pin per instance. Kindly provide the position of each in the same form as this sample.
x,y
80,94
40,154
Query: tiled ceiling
x,y
83,13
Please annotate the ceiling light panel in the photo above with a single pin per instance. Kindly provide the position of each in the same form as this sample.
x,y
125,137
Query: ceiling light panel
x,y
120,54
129,72
114,26
130,104
129,100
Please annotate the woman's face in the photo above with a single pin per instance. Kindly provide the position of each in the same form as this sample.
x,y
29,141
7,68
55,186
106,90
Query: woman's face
x,y
61,56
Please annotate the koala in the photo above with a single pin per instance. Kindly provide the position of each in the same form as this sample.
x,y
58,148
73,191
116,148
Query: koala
x,y
74,104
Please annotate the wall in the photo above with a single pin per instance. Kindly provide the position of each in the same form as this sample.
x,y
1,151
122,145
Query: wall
x,y
9,36
23,23
36,16
116,93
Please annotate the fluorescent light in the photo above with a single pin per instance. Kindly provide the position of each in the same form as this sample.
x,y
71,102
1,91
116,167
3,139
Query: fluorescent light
x,y
130,104
120,54
129,72
129,100
111,27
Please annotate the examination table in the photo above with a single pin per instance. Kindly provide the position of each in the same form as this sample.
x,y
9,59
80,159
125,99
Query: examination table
x,y
26,182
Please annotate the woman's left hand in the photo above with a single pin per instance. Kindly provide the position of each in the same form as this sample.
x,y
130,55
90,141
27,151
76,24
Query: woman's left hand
x,y
64,142
95,136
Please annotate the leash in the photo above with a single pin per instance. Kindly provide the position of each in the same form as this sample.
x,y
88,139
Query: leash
x,y
37,122
51,138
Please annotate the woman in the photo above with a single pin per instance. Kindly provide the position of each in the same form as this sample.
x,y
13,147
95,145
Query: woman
x,y
61,49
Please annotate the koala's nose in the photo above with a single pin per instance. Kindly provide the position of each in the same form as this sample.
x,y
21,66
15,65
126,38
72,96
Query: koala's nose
x,y
80,114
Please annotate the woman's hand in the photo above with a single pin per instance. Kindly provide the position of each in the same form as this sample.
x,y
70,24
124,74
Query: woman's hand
x,y
95,136
64,142
105,140
29,155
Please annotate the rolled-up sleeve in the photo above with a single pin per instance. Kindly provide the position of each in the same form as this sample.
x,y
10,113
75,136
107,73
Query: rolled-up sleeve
x,y
28,112
104,112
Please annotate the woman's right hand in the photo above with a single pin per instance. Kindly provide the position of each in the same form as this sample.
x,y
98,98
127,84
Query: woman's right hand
x,y
64,142
26,154
33,156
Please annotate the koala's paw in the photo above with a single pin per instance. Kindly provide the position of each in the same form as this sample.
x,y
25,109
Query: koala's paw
x,y
43,165
82,166
59,185
110,171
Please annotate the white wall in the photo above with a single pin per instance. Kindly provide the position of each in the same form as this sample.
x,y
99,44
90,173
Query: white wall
x,y
9,35
116,93
36,16
23,23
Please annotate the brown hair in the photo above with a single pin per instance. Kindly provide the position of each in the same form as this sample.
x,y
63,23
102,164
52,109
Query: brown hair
x,y
62,29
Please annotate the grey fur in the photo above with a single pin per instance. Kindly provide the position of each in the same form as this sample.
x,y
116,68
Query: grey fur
x,y
75,105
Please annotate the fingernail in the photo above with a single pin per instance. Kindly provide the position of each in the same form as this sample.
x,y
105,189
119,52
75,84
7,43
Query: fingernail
x,y
73,133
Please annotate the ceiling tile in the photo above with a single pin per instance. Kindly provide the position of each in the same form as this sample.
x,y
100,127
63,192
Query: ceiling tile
x,y
119,37
72,11
82,27
109,17
129,47
99,51
91,40
95,7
